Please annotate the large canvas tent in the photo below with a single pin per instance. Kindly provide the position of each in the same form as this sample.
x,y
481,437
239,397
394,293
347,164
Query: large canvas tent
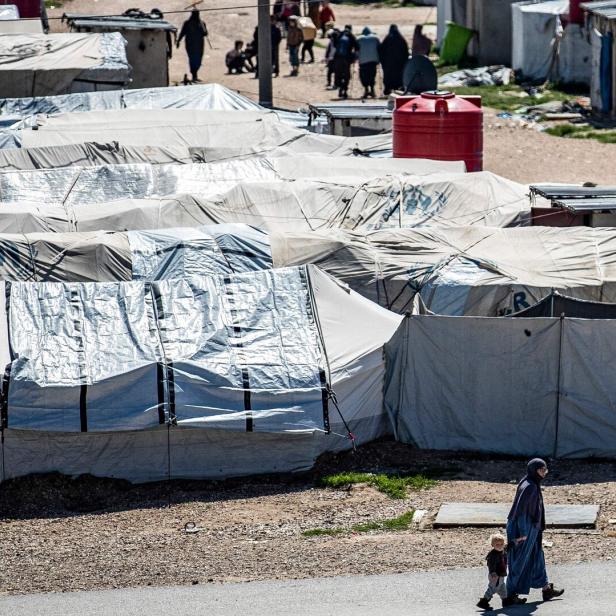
x,y
133,255
272,341
478,270
524,386
145,197
48,64
222,134
211,96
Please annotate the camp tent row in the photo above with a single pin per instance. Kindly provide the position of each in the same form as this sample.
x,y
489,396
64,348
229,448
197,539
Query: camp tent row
x,y
219,375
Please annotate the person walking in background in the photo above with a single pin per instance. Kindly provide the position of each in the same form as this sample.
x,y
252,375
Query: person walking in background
x,y
276,36
343,59
525,526
368,57
421,45
295,37
330,55
394,53
309,31
327,19
194,31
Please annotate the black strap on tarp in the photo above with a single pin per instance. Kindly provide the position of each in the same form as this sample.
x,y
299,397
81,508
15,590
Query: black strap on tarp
x,y
4,402
83,408
237,331
164,369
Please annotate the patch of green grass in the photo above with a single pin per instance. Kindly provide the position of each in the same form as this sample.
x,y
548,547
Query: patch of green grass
x,y
53,4
582,132
509,98
395,486
402,522
323,532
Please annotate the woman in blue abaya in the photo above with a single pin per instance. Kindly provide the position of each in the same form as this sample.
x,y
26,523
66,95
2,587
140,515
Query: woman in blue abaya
x,y
525,526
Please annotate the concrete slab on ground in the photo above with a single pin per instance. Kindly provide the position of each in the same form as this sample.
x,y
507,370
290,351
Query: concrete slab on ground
x,y
495,514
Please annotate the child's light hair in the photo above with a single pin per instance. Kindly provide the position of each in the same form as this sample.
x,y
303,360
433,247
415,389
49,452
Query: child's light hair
x,y
496,537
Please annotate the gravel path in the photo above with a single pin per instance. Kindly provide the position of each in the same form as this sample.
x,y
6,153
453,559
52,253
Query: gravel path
x,y
252,529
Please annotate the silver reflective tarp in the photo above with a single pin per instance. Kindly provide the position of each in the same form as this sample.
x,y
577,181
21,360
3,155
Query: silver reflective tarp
x,y
198,96
238,352
256,192
137,255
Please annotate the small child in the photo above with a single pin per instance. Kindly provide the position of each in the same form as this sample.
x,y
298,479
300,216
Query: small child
x,y
497,571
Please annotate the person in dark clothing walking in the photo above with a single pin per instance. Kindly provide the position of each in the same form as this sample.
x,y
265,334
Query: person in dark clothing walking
x,y
525,526
194,31
394,53
346,49
276,38
330,55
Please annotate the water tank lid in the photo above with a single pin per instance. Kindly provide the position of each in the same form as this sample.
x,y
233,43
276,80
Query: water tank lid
x,y
434,94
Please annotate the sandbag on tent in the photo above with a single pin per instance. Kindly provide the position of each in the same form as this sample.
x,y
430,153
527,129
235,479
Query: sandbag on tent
x,y
198,96
350,354
134,255
478,270
545,382
49,64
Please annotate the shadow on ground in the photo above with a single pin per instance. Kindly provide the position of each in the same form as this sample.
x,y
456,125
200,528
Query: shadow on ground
x,y
54,495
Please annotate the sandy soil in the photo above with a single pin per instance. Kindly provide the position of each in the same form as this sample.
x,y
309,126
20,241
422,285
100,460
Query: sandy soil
x,y
520,154
62,535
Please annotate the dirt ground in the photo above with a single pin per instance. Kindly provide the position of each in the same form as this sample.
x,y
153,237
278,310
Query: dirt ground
x,y
517,153
63,535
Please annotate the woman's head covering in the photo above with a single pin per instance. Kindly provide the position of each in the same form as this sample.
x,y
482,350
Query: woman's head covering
x,y
194,14
393,30
366,31
532,467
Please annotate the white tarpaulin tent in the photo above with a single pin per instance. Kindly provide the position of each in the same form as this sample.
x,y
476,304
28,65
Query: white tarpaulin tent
x,y
477,270
186,336
198,96
88,155
544,46
541,386
535,29
221,134
46,64
76,200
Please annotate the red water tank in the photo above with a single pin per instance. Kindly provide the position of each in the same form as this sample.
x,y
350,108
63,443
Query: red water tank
x,y
441,126
576,15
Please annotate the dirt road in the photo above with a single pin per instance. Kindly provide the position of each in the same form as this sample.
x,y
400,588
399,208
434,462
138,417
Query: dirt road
x,y
520,154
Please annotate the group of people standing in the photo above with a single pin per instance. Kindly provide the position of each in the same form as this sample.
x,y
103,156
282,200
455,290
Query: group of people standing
x,y
344,49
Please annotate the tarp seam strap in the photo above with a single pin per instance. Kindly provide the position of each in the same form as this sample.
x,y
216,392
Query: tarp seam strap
x,y
74,303
237,332
313,316
164,370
